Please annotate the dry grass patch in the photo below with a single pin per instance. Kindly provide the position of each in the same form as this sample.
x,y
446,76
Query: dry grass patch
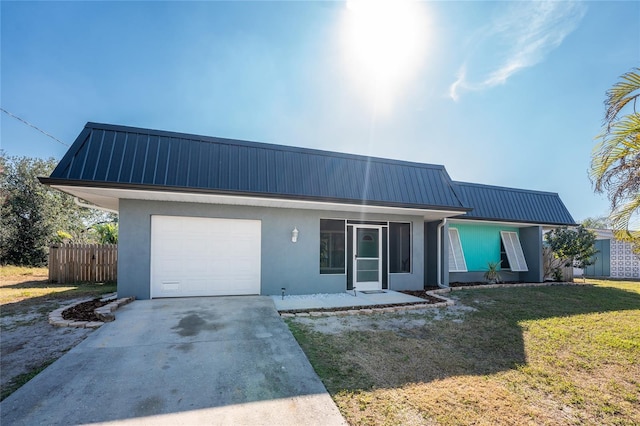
x,y
9,272
545,355
22,288
460,400
29,342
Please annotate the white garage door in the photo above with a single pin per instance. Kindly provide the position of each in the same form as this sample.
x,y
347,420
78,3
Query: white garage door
x,y
204,257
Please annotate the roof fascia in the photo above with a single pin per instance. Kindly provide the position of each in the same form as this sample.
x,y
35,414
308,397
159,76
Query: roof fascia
x,y
111,197
135,187
515,223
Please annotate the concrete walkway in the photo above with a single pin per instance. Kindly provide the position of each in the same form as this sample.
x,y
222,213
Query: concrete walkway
x,y
342,300
218,360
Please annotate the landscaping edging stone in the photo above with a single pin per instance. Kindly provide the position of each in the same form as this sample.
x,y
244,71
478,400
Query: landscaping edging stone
x,y
438,293
105,313
364,310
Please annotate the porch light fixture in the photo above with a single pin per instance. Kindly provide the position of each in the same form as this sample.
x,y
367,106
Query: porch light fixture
x,y
294,235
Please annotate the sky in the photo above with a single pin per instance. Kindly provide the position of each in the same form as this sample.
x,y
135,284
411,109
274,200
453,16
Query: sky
x,y
500,93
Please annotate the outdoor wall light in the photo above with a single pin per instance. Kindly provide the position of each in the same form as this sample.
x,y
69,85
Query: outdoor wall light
x,y
294,235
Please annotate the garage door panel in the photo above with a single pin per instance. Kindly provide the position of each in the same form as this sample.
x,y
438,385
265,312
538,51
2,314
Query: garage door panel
x,y
244,265
199,246
168,268
204,257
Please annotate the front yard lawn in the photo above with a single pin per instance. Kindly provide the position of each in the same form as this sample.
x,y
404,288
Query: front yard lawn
x,y
535,355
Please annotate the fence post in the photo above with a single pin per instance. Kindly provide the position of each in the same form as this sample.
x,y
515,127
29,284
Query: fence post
x,y
53,263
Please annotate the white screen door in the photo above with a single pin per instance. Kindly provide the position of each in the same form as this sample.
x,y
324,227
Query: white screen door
x,y
367,260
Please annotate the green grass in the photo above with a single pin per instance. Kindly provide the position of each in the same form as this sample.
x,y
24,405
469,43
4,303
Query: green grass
x,y
536,355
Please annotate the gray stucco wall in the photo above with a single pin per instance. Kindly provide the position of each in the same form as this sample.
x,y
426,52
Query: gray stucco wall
x,y
283,264
531,241
431,255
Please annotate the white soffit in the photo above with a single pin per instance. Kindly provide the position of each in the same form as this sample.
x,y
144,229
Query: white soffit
x,y
109,198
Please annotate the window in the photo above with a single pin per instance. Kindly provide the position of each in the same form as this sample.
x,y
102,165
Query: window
x,y
513,250
504,259
456,255
399,247
332,247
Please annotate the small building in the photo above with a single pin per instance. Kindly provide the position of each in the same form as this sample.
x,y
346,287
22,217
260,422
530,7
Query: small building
x,y
206,216
615,258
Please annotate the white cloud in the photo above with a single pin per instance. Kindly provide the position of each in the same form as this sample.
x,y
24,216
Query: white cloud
x,y
519,37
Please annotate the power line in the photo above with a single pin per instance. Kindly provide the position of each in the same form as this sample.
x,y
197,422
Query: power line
x,y
35,127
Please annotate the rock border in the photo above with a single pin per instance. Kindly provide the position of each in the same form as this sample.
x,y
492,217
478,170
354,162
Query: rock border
x,y
105,313
438,292
370,309
435,293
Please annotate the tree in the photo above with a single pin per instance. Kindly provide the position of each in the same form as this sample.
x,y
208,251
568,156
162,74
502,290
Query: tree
x,y
33,214
615,162
572,247
596,223
24,229
107,232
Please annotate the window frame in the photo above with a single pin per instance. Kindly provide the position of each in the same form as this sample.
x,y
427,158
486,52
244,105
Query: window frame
x,y
391,225
328,270
505,265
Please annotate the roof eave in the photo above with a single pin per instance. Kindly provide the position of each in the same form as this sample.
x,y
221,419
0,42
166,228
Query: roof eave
x,y
515,221
93,184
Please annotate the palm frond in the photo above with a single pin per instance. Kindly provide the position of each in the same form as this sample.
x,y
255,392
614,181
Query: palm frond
x,y
615,160
622,224
621,94
617,153
621,217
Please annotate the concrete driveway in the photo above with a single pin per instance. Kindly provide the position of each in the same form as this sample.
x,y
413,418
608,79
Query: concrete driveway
x,y
217,360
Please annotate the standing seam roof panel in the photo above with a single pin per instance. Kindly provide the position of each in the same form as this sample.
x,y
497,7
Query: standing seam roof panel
x,y
139,159
410,178
91,159
509,204
115,162
100,171
122,155
374,180
82,154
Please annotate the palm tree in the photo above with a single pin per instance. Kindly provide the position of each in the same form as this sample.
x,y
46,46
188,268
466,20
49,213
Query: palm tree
x,y
615,161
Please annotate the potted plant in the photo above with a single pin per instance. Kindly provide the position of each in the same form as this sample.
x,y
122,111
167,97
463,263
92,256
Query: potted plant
x,y
492,275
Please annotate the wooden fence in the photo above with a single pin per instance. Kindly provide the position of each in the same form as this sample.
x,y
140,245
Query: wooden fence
x,y
83,263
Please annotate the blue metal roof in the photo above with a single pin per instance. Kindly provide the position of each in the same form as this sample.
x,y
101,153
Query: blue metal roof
x,y
513,205
123,157
132,158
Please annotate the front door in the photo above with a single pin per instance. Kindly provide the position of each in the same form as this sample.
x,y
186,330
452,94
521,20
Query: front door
x,y
367,261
